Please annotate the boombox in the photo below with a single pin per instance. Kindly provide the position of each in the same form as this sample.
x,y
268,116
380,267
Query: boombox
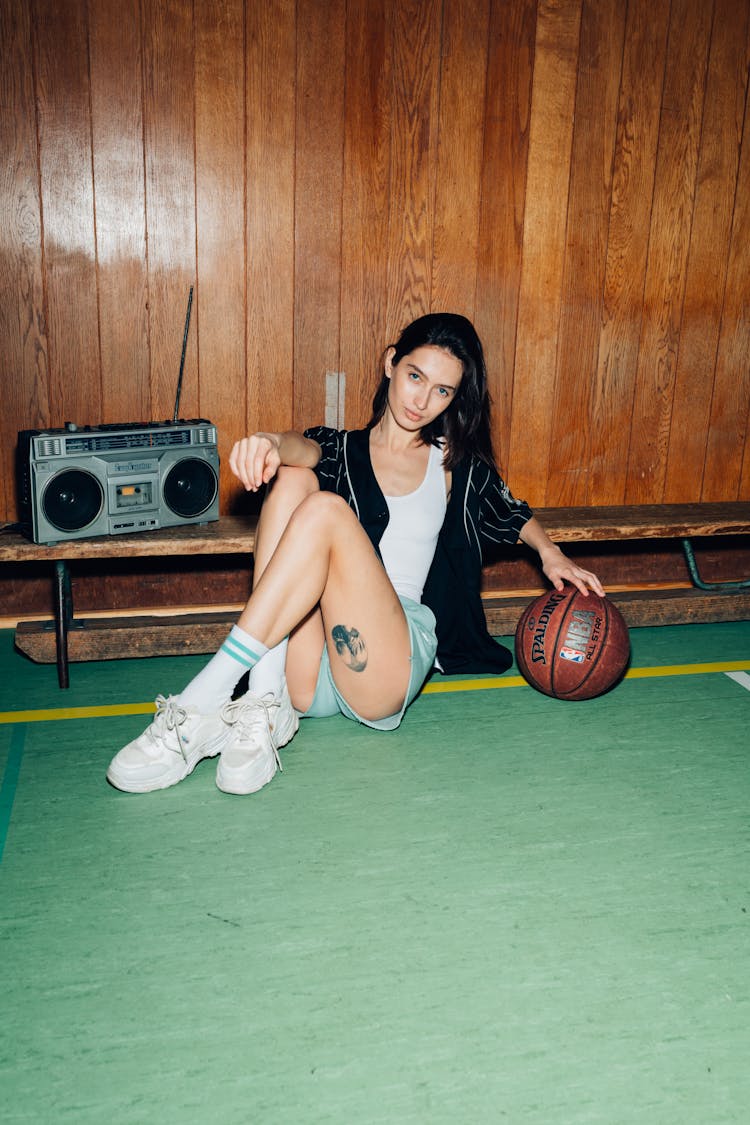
x,y
78,482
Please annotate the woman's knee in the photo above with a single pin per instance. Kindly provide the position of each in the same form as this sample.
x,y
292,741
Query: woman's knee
x,y
290,487
324,509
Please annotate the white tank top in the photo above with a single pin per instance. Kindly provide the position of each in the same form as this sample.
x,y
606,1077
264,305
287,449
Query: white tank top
x,y
408,543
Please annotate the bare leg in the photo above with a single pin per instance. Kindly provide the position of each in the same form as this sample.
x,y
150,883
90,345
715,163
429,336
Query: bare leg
x,y
324,558
306,642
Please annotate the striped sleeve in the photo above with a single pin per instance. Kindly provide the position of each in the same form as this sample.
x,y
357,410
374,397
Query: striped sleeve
x,y
329,468
501,516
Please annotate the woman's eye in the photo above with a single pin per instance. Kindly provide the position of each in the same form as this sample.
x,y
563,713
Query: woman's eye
x,y
414,375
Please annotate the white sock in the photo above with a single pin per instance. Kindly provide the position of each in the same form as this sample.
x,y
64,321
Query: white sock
x,y
268,673
214,684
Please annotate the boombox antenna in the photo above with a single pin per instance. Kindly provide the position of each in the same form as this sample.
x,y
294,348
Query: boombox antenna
x,y
182,360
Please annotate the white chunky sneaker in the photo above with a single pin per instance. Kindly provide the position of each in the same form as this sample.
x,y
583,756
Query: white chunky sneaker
x,y
259,726
169,749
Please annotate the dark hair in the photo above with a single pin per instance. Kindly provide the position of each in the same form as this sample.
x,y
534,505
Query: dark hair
x,y
465,424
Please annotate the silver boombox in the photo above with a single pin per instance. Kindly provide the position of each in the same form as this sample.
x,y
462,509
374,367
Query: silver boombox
x,y
111,479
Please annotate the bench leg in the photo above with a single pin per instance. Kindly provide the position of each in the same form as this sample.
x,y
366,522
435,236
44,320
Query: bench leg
x,y
63,618
696,579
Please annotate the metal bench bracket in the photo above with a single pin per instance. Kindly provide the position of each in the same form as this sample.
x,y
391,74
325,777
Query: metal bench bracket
x,y
696,579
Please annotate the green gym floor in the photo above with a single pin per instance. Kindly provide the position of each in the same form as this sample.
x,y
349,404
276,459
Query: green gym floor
x,y
513,909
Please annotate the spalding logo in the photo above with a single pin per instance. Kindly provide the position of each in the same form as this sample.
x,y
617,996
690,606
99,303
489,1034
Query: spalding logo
x,y
540,627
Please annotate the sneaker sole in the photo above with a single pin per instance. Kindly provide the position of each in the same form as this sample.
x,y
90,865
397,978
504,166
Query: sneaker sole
x,y
239,787
132,785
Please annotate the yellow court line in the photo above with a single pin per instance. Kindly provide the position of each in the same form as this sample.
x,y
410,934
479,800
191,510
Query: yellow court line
x,y
119,709
54,713
633,674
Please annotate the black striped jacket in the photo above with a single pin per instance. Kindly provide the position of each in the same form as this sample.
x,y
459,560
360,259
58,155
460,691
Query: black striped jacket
x,y
482,514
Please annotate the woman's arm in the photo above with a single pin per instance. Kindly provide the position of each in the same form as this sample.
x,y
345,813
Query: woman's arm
x,y
557,566
255,460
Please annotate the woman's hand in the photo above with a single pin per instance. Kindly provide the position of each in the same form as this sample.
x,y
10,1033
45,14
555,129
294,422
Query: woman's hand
x,y
557,566
560,569
255,460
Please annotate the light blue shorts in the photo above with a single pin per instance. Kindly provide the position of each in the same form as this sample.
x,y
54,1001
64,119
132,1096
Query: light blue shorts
x,y
328,700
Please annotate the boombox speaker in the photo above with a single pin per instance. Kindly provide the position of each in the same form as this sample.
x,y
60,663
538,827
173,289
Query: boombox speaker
x,y
79,482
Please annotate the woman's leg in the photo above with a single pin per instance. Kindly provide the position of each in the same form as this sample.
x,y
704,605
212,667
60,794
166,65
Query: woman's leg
x,y
322,580
296,658
324,558
213,686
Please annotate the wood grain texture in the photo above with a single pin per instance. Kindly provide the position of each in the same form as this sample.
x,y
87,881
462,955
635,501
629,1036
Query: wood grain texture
x,y
640,100
414,134
366,203
576,390
671,222
168,97
638,608
572,174
319,158
233,535
220,306
458,173
726,471
510,65
118,638
64,139
270,92
551,131
25,376
116,66
705,283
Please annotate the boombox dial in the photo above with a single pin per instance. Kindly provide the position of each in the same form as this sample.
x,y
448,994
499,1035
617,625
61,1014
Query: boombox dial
x,y
80,482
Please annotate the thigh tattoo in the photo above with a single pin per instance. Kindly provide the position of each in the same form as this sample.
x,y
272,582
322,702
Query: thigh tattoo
x,y
350,646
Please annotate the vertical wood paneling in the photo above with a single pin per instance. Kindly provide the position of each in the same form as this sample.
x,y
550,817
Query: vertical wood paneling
x,y
414,99
220,223
458,176
170,199
627,247
366,200
602,31
726,474
65,161
23,358
709,247
506,143
119,190
318,180
270,68
567,172
671,220
553,98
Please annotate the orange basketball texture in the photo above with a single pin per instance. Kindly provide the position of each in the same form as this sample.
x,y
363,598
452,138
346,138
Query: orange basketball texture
x,y
570,646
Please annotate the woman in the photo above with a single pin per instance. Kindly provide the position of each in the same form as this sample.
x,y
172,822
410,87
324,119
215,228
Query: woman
x,y
367,567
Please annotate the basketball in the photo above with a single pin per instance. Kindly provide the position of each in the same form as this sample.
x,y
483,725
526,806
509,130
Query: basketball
x,y
570,646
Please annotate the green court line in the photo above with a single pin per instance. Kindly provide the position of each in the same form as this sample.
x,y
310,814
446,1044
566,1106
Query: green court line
x,y
55,714
10,782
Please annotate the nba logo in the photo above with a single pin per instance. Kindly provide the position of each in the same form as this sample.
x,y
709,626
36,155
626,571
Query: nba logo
x,y
571,654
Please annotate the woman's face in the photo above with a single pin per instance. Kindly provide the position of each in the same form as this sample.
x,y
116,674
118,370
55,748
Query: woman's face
x,y
422,385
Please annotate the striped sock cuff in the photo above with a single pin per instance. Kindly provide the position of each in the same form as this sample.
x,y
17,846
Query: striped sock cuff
x,y
246,654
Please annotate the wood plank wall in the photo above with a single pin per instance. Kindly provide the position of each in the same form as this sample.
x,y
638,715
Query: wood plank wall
x,y
574,175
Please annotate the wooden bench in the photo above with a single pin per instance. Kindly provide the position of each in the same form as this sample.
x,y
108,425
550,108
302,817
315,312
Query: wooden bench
x,y
69,638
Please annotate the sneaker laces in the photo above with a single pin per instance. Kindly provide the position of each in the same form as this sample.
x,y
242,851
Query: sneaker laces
x,y
169,717
251,714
